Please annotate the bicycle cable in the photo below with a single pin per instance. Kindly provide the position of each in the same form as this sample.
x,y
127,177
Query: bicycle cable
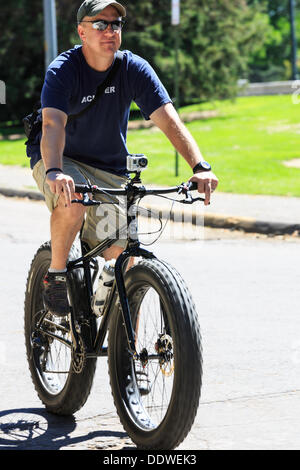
x,y
162,228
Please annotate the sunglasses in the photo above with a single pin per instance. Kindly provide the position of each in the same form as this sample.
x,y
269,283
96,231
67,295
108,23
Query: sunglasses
x,y
102,25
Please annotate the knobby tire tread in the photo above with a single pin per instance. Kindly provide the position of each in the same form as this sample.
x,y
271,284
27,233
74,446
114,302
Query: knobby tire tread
x,y
184,408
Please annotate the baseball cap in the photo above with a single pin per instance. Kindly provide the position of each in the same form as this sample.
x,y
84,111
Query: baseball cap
x,y
93,7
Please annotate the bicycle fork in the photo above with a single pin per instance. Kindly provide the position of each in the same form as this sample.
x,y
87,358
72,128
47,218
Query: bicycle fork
x,y
120,269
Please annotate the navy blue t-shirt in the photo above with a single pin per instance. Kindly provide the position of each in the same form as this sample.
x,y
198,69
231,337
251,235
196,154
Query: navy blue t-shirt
x,y
98,138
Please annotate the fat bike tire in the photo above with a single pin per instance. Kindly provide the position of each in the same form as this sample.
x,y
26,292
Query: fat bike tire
x,y
63,392
157,395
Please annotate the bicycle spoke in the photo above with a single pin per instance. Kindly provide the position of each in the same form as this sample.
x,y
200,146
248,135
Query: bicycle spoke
x,y
150,327
54,362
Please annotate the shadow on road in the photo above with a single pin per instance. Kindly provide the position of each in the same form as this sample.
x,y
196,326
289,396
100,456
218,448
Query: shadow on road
x,y
36,429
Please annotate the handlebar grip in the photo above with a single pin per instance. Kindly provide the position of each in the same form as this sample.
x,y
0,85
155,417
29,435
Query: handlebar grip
x,y
82,188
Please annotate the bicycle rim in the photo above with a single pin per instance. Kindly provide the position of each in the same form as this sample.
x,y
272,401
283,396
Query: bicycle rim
x,y
154,372
146,384
157,392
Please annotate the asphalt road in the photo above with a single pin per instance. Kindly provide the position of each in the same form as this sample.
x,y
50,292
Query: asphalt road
x,y
246,289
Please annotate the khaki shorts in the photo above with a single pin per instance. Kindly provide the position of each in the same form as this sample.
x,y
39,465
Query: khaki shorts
x,y
100,221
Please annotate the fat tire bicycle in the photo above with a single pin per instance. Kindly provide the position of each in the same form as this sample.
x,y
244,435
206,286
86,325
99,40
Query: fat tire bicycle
x,y
149,320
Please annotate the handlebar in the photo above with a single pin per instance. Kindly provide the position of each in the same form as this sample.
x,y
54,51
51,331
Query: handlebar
x,y
93,189
139,191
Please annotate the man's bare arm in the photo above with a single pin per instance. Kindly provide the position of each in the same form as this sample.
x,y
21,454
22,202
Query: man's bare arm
x,y
168,120
53,138
52,147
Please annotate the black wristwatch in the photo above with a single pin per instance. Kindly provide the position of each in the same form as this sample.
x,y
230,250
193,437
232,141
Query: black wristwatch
x,y
201,166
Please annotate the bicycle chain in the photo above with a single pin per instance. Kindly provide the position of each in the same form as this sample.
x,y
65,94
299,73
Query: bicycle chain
x,y
78,358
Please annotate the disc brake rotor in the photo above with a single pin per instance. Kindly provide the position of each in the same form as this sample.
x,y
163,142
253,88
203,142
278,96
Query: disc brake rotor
x,y
164,347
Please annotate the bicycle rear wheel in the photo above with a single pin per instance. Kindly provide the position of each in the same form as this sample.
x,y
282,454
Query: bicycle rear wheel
x,y
62,379
157,395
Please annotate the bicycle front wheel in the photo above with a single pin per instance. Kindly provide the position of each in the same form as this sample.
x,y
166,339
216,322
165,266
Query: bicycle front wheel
x,y
156,395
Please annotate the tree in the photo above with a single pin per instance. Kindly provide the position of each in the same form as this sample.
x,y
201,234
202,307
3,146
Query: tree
x,y
216,39
21,57
273,60
22,51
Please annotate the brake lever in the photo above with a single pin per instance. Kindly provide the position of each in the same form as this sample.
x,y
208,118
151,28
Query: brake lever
x,y
186,190
86,201
190,200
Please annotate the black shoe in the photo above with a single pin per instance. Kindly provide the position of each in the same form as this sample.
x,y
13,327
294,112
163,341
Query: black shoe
x,y
55,294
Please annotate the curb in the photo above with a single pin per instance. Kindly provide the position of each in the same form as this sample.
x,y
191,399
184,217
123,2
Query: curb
x,y
22,193
245,224
250,225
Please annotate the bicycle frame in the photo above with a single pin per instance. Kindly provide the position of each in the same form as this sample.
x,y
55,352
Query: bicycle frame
x,y
86,325
150,319
95,341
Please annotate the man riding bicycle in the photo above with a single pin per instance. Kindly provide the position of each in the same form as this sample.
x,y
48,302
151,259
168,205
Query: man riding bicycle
x,y
93,147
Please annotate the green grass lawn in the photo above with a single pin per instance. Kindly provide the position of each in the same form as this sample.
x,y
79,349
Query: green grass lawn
x,y
246,145
13,153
